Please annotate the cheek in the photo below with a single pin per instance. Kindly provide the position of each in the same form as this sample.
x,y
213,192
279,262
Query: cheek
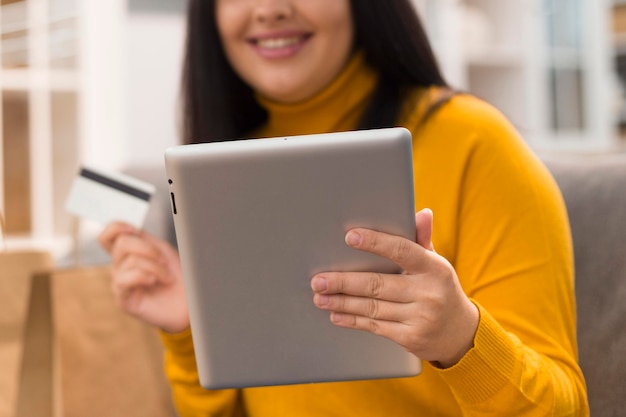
x,y
340,41
228,18
345,32
337,19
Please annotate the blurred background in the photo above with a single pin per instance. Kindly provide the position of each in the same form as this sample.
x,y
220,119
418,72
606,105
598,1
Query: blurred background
x,y
96,82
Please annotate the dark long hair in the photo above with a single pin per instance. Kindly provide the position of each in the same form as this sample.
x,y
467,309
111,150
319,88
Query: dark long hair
x,y
218,105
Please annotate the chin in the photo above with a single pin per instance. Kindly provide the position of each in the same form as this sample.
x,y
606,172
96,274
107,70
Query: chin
x,y
290,95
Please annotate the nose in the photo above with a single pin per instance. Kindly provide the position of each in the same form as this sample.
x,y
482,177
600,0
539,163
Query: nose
x,y
268,11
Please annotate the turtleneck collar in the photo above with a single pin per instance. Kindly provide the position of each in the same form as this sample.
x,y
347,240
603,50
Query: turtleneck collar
x,y
337,107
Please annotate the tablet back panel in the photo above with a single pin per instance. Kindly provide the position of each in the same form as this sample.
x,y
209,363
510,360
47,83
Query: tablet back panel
x,y
255,220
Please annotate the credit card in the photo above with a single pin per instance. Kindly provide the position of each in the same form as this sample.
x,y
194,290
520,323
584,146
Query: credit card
x,y
105,197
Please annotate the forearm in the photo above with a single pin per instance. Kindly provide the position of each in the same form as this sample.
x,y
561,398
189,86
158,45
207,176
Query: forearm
x,y
500,370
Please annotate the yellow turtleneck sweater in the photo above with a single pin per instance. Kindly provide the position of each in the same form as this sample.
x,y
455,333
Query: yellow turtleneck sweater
x,y
499,219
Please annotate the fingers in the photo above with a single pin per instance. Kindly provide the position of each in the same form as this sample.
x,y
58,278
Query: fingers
x,y
363,307
406,254
134,245
390,329
153,271
138,260
370,295
364,284
424,228
142,274
135,275
409,255
112,232
379,316
368,301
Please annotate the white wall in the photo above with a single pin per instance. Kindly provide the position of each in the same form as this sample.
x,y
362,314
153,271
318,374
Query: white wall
x,y
101,89
153,62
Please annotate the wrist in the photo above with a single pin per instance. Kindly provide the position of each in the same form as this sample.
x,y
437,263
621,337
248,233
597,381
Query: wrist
x,y
466,333
177,327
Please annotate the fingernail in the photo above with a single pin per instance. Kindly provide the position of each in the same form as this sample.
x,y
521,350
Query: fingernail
x,y
321,300
336,317
319,284
353,238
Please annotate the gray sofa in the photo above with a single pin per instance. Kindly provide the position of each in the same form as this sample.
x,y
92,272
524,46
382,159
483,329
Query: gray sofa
x,y
594,189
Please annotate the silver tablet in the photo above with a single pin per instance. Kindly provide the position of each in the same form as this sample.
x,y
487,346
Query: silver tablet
x,y
255,220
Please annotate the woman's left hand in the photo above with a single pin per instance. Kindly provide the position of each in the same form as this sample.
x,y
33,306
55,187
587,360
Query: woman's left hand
x,y
424,309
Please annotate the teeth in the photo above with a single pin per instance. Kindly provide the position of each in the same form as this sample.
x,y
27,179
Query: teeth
x,y
276,43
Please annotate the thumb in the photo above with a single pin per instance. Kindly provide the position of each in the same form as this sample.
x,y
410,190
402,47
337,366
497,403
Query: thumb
x,y
424,228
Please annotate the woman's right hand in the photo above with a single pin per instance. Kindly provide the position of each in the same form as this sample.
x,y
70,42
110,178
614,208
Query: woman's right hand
x,y
147,277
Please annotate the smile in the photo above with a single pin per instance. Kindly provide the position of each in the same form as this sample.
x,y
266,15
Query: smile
x,y
280,46
277,43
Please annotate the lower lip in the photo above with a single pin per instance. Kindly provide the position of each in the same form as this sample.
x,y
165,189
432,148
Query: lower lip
x,y
281,53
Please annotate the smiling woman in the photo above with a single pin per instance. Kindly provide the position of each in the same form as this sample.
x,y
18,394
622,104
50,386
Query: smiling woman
x,y
491,310
286,50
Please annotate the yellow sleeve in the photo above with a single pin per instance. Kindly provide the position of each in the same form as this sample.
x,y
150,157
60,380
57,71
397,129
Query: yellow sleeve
x,y
190,398
503,225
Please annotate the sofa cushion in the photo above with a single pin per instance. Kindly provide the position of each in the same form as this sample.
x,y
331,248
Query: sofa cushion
x,y
594,189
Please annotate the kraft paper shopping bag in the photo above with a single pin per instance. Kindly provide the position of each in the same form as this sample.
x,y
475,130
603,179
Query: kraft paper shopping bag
x,y
17,294
36,390
111,364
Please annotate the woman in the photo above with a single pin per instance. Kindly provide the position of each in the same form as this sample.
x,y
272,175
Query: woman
x,y
491,311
